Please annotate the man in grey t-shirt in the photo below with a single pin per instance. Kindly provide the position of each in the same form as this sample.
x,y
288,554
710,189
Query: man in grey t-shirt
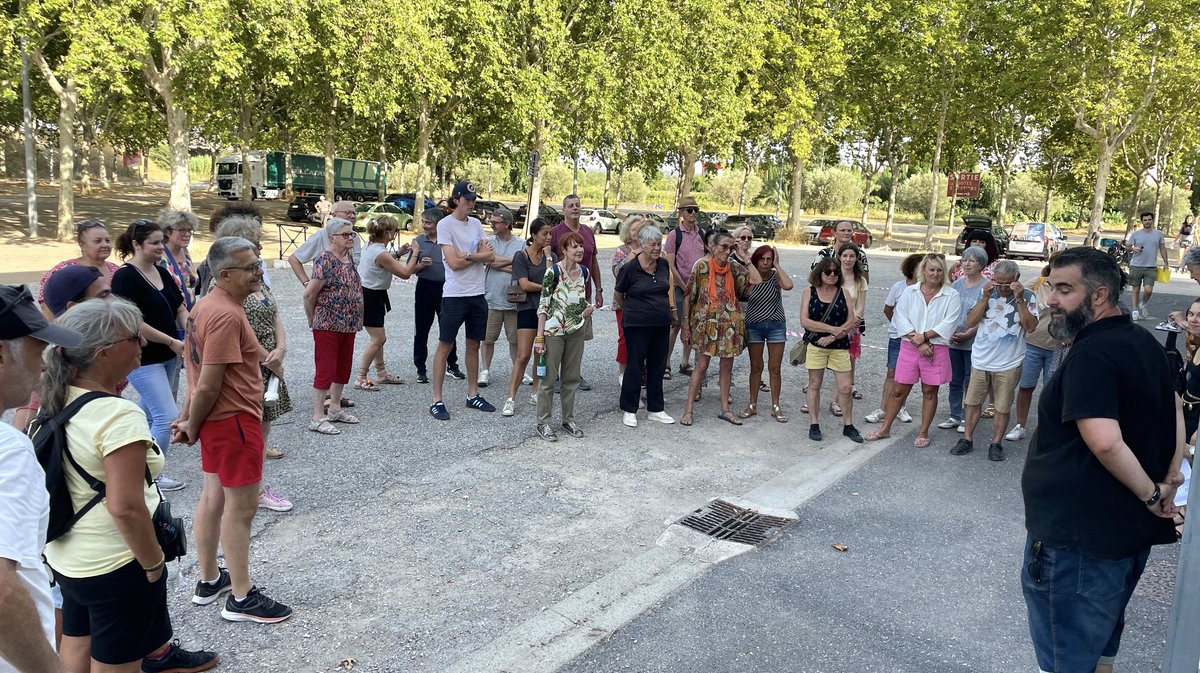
x,y
1148,245
501,313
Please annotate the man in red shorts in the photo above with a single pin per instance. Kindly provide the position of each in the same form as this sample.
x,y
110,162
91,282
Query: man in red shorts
x,y
224,412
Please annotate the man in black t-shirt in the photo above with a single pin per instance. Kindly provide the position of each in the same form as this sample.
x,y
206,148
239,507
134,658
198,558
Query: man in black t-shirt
x,y
1102,470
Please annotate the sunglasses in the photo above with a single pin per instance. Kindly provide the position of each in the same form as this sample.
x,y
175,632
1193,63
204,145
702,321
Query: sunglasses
x,y
829,272
136,337
691,210
745,238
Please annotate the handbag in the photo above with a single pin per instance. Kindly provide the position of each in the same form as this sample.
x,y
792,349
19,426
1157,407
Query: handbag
x,y
799,353
514,294
1163,275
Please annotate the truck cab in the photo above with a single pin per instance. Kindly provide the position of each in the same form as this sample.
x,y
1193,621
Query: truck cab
x,y
231,176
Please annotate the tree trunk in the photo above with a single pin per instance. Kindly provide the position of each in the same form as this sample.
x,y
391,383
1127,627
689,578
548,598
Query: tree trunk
x,y
331,153
383,162
489,189
177,142
1170,209
212,170
1050,176
68,104
953,208
620,183
866,198
793,219
1158,181
244,177
144,173
85,164
687,174
1005,178
403,174
1131,218
575,174
1104,152
537,144
934,171
105,179
424,131
741,204
607,183
891,205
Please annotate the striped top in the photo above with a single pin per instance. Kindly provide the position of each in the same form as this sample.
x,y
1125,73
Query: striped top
x,y
765,303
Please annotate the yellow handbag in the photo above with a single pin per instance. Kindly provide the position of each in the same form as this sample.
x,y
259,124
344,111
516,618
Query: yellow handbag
x,y
1164,275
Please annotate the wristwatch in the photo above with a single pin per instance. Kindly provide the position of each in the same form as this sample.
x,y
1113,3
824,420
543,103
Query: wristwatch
x,y
468,256
1153,500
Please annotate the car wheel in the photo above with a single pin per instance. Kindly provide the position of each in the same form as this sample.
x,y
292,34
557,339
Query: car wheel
x,y
597,229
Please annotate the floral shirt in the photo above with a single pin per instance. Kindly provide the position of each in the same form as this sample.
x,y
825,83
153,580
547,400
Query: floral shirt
x,y
339,306
563,300
184,273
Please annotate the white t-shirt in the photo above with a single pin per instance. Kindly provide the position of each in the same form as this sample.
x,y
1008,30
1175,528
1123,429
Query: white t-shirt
x,y
319,242
464,237
893,296
1150,242
24,515
1000,341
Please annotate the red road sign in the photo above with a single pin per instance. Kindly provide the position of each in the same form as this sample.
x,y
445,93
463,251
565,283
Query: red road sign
x,y
962,185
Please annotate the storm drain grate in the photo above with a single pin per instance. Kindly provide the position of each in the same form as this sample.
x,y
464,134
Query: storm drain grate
x,y
1158,582
724,521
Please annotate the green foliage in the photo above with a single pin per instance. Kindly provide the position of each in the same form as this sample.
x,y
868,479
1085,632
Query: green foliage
x,y
727,187
912,195
556,181
833,189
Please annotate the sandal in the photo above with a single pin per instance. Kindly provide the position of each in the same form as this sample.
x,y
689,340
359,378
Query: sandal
x,y
343,417
856,395
778,414
921,442
666,375
1179,520
764,388
804,408
383,376
273,453
686,369
364,383
748,412
686,419
835,409
323,427
346,402
729,417
990,412
874,436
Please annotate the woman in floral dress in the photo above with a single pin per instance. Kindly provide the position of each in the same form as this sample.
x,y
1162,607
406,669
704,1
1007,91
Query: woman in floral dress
x,y
714,322
333,301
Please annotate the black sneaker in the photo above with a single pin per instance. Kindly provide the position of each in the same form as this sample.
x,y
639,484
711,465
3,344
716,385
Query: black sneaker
x,y
963,447
572,429
995,453
852,432
422,377
547,433
479,403
583,384
455,372
207,594
438,411
179,660
814,432
256,607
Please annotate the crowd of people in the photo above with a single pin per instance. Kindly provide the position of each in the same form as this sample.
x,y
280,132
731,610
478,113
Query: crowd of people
x,y
973,327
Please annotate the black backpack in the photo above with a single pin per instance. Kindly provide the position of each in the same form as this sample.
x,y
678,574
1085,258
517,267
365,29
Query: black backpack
x,y
1177,362
49,434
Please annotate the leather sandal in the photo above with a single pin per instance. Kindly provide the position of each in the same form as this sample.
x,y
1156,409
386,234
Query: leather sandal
x,y
749,411
778,414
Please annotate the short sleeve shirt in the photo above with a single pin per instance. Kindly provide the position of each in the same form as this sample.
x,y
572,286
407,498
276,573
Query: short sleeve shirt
x,y
94,546
691,249
523,268
339,305
589,244
496,282
435,272
220,334
1115,370
158,307
893,297
1150,242
646,303
1000,340
563,300
464,237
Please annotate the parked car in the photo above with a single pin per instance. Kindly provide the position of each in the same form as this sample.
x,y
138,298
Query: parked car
x,y
548,213
302,207
861,236
713,221
761,226
982,222
600,221
812,230
657,218
369,210
484,209
1035,240
405,201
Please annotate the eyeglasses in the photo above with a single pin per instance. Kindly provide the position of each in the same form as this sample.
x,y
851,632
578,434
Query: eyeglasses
x,y
691,210
346,234
724,246
136,337
745,238
249,267
183,230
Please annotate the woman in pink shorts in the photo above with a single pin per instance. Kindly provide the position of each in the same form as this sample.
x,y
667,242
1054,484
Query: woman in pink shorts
x,y
925,317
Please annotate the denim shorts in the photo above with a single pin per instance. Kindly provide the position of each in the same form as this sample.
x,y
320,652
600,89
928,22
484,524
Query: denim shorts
x,y
1076,604
769,331
1037,363
893,352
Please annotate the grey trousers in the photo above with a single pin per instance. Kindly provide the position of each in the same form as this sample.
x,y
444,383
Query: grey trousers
x,y
564,360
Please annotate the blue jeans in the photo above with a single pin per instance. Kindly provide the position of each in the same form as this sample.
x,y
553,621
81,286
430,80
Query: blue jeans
x,y
960,365
153,384
1037,363
1076,605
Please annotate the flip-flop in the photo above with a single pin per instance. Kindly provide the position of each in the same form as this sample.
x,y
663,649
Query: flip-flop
x,y
686,419
874,436
323,427
347,403
686,369
856,395
921,442
728,417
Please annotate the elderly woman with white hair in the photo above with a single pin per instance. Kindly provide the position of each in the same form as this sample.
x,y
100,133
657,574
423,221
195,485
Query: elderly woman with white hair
x,y
643,294
969,288
625,252
333,302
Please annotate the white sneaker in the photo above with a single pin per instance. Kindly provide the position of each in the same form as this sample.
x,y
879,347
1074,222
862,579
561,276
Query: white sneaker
x,y
533,399
1145,315
510,407
485,377
904,416
1016,434
630,420
875,416
620,380
1135,315
526,380
962,429
951,422
661,417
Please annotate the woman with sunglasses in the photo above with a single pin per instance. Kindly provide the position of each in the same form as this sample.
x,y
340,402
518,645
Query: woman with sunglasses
x,y
95,247
377,266
715,324
828,318
333,302
766,327
143,281
925,318
743,237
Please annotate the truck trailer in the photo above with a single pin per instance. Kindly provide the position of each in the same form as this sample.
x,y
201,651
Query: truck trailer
x,y
354,179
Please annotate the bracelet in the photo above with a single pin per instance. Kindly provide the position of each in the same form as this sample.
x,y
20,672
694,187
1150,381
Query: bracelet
x,y
157,567
539,340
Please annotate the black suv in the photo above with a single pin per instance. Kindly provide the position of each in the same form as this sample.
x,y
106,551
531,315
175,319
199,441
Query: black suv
x,y
761,226
303,206
484,209
548,213
971,222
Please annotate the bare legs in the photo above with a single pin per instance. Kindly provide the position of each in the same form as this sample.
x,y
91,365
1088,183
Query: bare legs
x,y
224,515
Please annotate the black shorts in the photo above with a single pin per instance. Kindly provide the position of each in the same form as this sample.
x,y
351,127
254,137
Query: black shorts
x,y
527,319
124,615
376,305
457,311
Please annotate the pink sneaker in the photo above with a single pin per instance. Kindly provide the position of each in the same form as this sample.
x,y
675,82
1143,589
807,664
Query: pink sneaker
x,y
273,501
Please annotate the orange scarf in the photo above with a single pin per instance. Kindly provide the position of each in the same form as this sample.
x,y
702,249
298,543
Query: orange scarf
x,y
714,270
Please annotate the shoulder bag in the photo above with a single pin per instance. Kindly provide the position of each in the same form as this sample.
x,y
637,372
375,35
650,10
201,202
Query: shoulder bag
x,y
799,352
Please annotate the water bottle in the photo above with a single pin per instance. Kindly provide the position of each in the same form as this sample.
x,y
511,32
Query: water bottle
x,y
541,365
271,395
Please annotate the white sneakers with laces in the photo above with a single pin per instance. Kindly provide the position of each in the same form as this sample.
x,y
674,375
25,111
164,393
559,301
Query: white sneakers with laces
x,y
1016,434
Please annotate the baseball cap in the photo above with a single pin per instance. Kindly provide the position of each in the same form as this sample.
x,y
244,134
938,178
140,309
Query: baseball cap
x,y
464,189
504,214
67,285
19,317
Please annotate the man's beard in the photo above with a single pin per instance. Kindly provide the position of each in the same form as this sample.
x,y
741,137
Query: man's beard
x,y
1069,324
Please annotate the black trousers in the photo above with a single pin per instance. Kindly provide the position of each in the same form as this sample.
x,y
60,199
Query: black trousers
x,y
646,348
428,304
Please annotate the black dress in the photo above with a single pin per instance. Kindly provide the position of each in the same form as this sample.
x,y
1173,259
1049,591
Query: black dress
x,y
1191,401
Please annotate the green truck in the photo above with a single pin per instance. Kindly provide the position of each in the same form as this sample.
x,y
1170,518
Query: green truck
x,y
354,179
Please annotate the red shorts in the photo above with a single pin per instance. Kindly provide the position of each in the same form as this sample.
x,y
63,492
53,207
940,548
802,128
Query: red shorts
x,y
232,449
333,355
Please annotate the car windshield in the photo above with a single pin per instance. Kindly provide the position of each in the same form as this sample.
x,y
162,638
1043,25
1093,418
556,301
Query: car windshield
x,y
362,207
